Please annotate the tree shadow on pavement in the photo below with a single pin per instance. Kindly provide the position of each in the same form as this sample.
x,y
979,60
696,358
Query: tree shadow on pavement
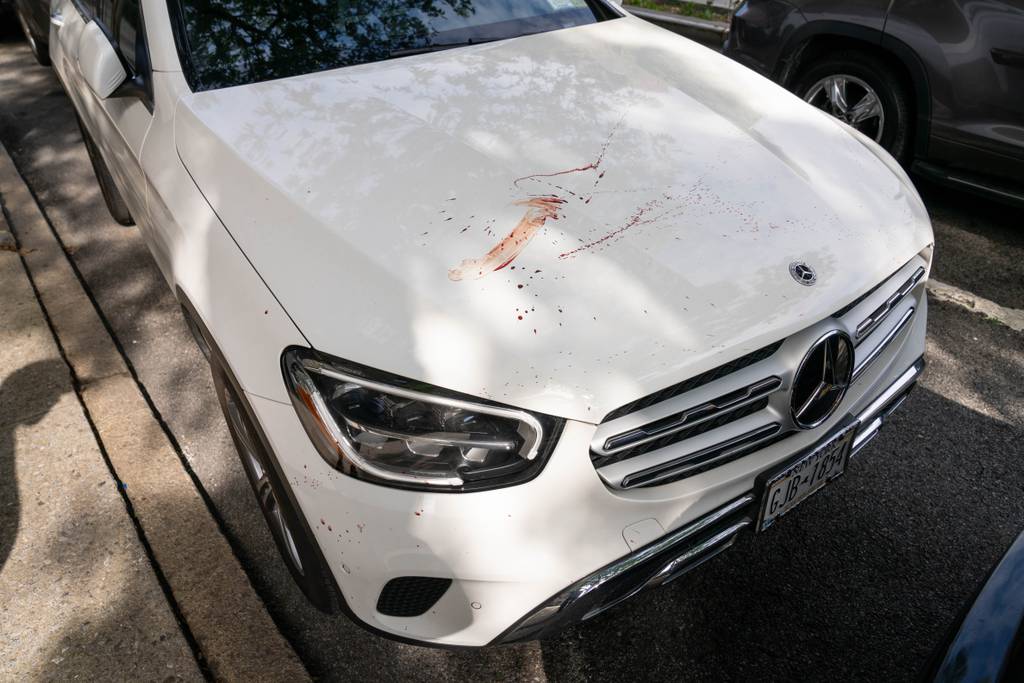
x,y
24,400
861,584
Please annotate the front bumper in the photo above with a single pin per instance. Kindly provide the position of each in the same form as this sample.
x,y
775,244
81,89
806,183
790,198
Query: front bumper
x,y
508,551
677,553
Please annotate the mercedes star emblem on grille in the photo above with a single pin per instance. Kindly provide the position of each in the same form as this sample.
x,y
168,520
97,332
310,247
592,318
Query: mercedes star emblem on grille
x,y
822,379
803,273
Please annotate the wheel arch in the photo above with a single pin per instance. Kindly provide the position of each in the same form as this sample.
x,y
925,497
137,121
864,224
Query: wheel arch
x,y
818,38
329,598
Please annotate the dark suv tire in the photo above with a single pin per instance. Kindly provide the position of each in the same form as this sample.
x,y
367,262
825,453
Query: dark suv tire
x,y
876,103
111,196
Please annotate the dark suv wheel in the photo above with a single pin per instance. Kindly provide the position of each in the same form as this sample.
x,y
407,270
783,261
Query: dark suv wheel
x,y
862,90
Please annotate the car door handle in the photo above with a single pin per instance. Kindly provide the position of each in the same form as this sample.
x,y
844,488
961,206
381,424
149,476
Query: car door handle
x,y
56,18
1008,57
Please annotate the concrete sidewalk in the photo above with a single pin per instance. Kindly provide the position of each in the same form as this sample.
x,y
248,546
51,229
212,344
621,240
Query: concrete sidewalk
x,y
78,595
183,569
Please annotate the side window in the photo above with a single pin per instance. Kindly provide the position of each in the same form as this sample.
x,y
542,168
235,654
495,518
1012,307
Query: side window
x,y
87,8
104,11
127,29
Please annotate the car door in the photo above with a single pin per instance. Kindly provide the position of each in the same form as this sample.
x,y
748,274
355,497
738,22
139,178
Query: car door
x,y
973,51
117,124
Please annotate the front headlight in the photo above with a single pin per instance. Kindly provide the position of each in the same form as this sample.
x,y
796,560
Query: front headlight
x,y
408,434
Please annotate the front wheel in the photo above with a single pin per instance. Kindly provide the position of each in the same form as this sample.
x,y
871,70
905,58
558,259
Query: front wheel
x,y
863,91
294,542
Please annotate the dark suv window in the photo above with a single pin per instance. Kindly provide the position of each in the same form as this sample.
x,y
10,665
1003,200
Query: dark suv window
x,y
230,42
103,12
88,8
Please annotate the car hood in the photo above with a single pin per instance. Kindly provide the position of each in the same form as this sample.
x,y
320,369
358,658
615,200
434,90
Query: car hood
x,y
563,222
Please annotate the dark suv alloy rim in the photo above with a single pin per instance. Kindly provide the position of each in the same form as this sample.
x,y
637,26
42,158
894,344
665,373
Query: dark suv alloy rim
x,y
260,480
851,100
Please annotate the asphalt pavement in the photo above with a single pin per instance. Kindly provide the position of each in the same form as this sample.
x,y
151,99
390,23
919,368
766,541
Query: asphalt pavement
x,y
861,584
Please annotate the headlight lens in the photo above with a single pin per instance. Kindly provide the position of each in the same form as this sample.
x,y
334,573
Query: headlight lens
x,y
409,434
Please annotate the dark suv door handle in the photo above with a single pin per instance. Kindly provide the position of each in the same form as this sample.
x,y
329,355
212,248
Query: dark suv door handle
x,y
1008,57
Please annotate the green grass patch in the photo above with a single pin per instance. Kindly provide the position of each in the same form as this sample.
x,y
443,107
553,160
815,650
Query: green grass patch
x,y
683,8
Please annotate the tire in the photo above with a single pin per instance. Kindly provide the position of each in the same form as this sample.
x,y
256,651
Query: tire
x,y
111,196
294,540
40,48
862,74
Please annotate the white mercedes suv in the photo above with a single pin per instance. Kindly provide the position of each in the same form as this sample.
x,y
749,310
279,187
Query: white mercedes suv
x,y
515,308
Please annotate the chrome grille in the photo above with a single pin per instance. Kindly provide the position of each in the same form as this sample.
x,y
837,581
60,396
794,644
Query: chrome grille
x,y
871,323
741,407
694,382
705,459
688,423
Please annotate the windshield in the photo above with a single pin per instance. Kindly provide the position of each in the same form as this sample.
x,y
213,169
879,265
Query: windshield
x,y
232,42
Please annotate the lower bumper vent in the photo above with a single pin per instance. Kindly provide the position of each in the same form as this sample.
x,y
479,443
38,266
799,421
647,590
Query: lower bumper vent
x,y
411,596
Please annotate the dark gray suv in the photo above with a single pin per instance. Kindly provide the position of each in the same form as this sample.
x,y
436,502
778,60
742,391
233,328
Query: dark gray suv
x,y
939,83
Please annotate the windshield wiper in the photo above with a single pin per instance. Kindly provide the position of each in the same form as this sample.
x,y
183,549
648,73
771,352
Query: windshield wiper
x,y
437,47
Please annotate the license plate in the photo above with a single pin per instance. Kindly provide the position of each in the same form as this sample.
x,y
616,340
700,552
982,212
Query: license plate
x,y
806,476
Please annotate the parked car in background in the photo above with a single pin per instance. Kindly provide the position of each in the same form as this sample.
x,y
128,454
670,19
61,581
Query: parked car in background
x,y
987,645
938,84
515,308
34,19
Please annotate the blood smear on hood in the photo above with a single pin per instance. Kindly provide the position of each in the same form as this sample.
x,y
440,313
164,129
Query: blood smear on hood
x,y
538,211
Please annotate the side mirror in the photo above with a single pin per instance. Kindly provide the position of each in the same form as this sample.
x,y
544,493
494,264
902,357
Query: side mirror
x,y
98,60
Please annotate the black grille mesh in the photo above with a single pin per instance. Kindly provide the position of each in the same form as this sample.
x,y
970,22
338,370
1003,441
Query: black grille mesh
x,y
694,382
411,596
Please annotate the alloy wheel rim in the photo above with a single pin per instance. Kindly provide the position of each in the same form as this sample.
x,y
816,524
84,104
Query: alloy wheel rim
x,y
265,493
851,100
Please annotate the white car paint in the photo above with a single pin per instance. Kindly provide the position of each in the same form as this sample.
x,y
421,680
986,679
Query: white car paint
x,y
106,72
336,210
424,147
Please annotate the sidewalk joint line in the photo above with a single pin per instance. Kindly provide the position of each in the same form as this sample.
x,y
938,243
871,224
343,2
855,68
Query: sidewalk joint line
x,y
233,543
76,385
